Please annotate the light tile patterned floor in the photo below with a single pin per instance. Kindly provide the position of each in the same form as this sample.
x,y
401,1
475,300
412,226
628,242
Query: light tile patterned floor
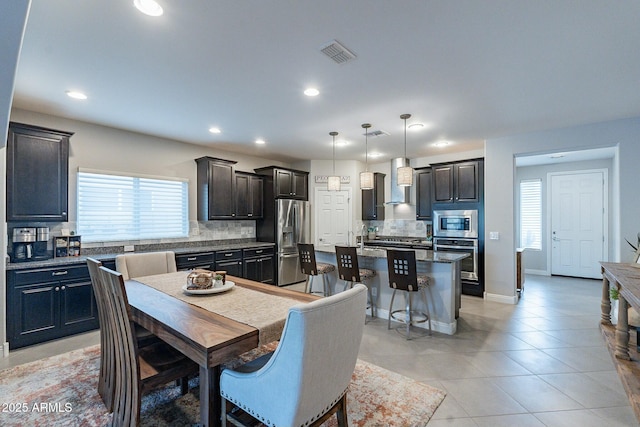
x,y
541,362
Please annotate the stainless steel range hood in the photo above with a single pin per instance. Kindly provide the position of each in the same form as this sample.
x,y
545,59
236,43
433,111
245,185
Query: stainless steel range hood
x,y
399,194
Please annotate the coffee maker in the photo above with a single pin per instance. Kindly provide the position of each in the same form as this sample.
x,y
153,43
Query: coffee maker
x,y
40,245
23,241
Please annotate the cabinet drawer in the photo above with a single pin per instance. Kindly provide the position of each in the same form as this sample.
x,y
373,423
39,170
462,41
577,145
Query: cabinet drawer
x,y
228,255
43,275
257,252
199,258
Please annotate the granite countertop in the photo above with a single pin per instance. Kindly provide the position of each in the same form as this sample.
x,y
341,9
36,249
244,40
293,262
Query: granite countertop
x,y
421,255
108,256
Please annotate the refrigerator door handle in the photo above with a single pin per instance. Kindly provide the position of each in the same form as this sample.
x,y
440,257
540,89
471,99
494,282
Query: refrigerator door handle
x,y
289,255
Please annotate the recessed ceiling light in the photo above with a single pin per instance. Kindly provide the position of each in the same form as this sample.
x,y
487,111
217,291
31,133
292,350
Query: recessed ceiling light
x,y
441,144
416,126
341,143
374,155
148,7
556,156
312,91
76,95
214,130
260,141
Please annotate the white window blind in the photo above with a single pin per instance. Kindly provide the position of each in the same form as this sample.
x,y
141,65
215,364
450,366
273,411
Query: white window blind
x,y
116,207
531,214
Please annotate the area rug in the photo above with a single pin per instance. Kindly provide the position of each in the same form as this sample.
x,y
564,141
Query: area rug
x,y
62,391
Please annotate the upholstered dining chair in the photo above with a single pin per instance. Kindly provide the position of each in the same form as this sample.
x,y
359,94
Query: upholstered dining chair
x,y
135,370
145,264
313,269
403,277
350,272
304,382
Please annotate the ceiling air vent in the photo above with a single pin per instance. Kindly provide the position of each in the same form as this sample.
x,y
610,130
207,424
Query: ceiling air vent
x,y
338,53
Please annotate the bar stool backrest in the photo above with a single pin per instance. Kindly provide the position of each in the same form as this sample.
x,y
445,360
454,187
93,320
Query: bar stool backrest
x,y
307,254
347,259
402,270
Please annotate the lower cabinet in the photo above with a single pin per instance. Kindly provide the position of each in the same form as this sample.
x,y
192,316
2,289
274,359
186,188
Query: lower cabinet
x,y
259,265
203,260
49,303
229,261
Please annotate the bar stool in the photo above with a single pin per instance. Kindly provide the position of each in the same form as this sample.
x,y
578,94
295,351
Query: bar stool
x,y
403,277
348,270
312,269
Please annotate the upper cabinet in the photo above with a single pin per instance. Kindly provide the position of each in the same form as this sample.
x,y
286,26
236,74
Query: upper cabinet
x,y
37,173
373,200
216,183
423,193
457,182
287,183
249,190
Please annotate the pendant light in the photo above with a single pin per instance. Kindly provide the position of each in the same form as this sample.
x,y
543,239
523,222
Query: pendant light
x,y
366,177
333,182
405,173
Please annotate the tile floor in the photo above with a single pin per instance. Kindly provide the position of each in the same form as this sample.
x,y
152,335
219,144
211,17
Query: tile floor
x,y
541,362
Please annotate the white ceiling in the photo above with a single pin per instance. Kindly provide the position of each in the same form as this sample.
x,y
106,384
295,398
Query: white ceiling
x,y
470,69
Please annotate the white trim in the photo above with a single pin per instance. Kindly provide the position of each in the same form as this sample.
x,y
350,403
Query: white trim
x,y
536,272
5,349
132,174
504,299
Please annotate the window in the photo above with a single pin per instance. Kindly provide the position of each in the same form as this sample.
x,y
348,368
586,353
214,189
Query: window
x,y
117,207
531,214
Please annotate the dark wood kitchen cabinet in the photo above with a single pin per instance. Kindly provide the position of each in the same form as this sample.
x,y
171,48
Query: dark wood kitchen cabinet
x,y
37,173
287,183
49,303
259,265
249,193
373,200
423,193
457,182
229,261
216,184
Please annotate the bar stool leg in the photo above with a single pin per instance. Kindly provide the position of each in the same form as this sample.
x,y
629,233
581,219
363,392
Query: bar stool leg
x,y
426,304
408,318
393,295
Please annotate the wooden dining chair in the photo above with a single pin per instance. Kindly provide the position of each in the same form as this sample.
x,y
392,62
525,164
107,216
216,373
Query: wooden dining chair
x,y
350,271
305,381
135,370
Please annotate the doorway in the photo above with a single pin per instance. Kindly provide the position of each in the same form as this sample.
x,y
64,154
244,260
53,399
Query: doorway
x,y
578,227
333,217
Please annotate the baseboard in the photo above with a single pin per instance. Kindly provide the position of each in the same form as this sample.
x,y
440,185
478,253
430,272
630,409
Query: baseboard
x,y
444,328
504,299
536,272
5,349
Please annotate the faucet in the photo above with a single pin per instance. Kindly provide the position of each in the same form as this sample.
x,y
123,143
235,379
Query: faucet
x,y
362,229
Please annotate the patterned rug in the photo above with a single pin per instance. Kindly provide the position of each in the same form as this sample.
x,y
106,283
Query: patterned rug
x,y
62,391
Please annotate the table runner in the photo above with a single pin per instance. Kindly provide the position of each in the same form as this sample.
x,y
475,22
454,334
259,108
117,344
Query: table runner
x,y
265,312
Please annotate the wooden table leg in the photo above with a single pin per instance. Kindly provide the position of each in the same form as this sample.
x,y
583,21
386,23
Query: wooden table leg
x,y
622,331
605,304
210,411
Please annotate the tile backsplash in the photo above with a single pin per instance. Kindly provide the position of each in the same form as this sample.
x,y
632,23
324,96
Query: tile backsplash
x,y
402,228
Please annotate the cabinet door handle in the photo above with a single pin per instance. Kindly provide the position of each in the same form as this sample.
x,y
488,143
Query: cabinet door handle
x,y
57,288
63,288
230,254
60,273
260,251
192,259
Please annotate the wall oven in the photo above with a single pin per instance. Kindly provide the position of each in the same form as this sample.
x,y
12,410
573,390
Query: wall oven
x,y
469,265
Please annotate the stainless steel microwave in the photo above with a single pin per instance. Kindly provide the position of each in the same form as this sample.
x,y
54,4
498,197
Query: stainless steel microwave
x,y
456,223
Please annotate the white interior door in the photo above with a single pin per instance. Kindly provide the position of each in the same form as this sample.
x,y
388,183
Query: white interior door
x,y
577,223
333,217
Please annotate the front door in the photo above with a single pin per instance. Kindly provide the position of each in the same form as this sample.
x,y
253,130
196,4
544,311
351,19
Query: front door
x,y
577,223
333,217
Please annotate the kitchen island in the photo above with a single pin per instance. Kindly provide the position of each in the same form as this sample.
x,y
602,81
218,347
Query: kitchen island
x,y
443,269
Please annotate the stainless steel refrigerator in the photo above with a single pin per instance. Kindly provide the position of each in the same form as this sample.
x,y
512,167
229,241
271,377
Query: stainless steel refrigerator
x,y
287,224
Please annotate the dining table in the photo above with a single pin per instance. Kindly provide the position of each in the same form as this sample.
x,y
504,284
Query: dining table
x,y
211,328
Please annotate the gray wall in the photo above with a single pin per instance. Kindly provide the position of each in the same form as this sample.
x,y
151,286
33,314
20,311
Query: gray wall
x,y
536,261
500,189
